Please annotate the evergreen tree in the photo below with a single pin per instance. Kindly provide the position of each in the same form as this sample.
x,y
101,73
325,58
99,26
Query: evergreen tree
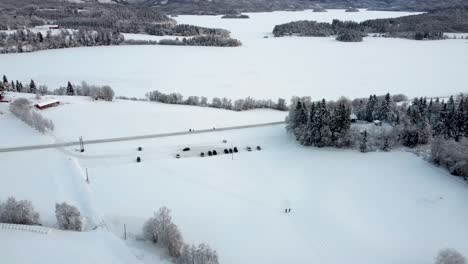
x,y
321,126
370,108
70,90
459,120
32,87
340,125
13,87
384,112
5,80
440,127
19,86
308,137
363,144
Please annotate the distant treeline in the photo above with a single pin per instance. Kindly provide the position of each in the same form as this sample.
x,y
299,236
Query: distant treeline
x,y
28,41
430,25
224,103
104,92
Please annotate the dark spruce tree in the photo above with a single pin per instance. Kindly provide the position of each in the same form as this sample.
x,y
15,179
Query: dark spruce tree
x,y
300,120
32,87
70,89
363,142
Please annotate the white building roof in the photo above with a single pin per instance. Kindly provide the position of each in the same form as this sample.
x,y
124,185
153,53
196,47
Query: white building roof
x,y
42,104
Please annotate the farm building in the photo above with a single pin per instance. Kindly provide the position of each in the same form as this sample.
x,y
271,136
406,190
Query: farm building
x,y
353,118
47,104
377,122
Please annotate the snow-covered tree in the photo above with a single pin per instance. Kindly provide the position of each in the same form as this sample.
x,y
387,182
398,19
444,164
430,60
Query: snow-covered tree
x,y
449,256
18,212
21,109
202,254
68,217
162,231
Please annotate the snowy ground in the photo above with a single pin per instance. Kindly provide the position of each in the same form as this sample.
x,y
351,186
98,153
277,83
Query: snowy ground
x,y
82,116
262,67
347,207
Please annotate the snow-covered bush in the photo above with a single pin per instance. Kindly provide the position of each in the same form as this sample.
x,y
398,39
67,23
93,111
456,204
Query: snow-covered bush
x,y
202,254
97,92
18,212
162,231
21,108
68,217
449,256
451,154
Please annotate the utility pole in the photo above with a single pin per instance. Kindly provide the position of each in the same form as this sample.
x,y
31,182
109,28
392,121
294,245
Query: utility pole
x,y
81,144
87,178
125,232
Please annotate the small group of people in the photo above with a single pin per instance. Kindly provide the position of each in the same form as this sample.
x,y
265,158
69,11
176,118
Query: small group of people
x,y
287,210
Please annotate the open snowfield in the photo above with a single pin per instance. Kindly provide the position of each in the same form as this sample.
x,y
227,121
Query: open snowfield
x,y
347,207
262,67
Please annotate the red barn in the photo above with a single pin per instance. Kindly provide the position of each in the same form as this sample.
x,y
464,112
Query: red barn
x,y
47,104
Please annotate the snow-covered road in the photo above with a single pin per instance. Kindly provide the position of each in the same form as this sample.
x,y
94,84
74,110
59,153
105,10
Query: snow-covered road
x,y
119,139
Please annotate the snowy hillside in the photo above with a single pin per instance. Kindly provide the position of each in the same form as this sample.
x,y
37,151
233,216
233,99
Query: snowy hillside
x,y
396,206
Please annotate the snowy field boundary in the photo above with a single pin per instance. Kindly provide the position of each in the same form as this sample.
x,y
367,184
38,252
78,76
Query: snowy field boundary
x,y
28,228
109,140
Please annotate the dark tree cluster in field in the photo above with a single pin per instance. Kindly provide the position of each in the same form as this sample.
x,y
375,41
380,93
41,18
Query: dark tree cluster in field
x,y
304,28
210,40
320,124
224,103
428,26
184,30
235,16
28,41
349,36
352,10
442,124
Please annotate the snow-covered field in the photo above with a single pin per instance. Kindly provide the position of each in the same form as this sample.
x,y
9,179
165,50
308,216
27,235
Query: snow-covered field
x,y
347,207
262,67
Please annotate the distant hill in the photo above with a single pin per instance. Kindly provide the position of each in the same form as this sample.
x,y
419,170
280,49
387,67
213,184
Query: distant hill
x,y
236,6
217,7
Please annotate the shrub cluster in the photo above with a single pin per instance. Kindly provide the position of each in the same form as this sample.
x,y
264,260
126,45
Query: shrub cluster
x,y
21,108
163,232
224,103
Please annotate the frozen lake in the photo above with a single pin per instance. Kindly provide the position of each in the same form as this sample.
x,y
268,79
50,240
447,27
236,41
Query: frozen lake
x,y
262,67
